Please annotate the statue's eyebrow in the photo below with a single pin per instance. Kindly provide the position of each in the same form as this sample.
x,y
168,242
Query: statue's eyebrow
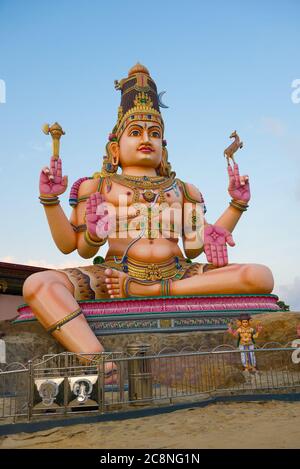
x,y
135,125
154,127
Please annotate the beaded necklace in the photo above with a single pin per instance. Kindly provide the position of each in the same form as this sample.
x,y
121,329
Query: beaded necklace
x,y
146,185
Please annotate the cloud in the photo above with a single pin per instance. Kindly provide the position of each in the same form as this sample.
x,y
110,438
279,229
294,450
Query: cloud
x,y
10,259
273,126
46,264
290,294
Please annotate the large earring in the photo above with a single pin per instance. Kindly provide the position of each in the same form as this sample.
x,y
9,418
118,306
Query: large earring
x,y
108,166
165,168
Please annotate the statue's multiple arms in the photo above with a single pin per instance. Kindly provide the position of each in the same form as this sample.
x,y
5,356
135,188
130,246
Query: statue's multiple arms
x,y
192,207
91,211
239,190
232,331
216,237
64,232
211,239
52,184
257,331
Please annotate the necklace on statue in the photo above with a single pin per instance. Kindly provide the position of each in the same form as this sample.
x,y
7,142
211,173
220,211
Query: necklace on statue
x,y
145,186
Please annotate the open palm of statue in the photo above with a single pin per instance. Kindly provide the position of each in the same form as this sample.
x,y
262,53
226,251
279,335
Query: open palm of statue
x,y
100,222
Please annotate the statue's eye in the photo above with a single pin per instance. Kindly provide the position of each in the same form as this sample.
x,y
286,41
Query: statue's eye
x,y
155,134
135,133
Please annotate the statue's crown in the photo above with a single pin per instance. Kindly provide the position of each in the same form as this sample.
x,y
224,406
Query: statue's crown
x,y
139,99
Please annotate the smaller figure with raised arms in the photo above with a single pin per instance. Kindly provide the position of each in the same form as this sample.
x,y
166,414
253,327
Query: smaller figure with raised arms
x,y
246,341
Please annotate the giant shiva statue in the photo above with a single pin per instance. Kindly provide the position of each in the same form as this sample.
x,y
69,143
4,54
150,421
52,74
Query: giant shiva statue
x,y
138,206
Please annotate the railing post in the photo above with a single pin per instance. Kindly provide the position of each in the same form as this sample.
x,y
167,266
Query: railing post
x,y
30,390
101,383
66,382
139,374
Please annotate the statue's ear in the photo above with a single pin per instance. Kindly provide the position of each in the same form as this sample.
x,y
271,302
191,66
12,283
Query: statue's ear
x,y
114,150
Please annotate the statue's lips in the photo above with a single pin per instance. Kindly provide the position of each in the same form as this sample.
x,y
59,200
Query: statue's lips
x,y
145,150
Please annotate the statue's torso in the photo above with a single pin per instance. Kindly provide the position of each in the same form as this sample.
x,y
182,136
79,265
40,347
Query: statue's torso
x,y
246,335
160,240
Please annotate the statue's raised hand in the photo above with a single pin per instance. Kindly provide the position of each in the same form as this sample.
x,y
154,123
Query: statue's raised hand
x,y
216,239
100,219
239,188
52,182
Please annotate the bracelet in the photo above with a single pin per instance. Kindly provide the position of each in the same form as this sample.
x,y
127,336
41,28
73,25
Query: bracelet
x,y
48,201
91,242
241,207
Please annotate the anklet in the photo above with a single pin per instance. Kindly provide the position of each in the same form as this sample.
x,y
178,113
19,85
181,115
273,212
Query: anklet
x,y
166,287
57,326
128,280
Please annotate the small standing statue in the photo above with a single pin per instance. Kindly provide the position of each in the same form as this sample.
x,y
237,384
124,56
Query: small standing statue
x,y
246,341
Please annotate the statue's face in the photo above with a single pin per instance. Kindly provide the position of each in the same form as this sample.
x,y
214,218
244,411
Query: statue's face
x,y
245,323
141,145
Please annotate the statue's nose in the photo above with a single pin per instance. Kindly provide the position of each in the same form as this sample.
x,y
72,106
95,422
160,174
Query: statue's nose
x,y
145,136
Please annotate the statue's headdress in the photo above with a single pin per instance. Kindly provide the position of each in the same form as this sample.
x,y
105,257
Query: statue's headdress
x,y
244,317
139,102
139,99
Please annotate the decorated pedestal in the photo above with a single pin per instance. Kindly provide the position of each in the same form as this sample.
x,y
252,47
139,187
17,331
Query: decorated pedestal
x,y
166,314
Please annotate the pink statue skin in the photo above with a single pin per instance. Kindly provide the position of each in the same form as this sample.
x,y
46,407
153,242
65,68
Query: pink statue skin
x,y
138,152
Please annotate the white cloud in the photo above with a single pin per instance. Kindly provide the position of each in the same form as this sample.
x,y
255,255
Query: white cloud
x,y
46,264
10,259
290,294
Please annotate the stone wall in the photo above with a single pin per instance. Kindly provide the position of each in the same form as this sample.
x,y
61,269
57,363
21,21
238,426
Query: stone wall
x,y
29,340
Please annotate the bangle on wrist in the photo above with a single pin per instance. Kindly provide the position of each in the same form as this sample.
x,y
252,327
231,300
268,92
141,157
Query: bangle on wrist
x,y
48,201
91,242
242,207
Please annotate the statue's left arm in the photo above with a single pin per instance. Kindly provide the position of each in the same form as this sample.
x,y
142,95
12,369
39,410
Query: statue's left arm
x,y
239,190
213,238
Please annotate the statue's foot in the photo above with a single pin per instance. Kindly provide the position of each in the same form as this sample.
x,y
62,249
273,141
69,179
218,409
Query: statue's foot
x,y
121,285
115,281
111,373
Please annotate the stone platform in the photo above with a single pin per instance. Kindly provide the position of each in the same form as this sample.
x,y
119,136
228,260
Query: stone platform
x,y
166,314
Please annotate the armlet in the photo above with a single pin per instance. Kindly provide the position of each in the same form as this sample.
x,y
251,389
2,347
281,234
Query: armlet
x,y
189,197
74,200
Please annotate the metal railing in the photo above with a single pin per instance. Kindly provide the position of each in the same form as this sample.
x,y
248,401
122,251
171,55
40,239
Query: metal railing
x,y
68,383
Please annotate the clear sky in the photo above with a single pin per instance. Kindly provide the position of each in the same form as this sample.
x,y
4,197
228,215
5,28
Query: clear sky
x,y
225,66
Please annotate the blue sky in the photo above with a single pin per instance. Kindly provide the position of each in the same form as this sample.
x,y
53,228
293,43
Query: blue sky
x,y
225,66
